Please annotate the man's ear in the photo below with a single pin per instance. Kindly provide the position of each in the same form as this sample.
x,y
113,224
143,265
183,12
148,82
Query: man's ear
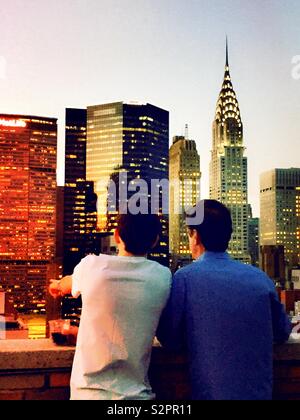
x,y
156,242
190,232
198,238
195,236
117,237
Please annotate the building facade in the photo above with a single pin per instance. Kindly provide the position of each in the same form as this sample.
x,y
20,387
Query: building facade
x,y
272,262
184,176
80,216
134,140
253,237
28,147
228,166
253,224
280,211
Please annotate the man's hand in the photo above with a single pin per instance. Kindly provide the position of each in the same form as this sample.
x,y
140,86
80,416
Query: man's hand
x,y
55,289
61,287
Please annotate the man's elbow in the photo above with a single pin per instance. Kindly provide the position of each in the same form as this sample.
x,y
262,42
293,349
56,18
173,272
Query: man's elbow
x,y
164,339
284,335
168,339
282,339
171,345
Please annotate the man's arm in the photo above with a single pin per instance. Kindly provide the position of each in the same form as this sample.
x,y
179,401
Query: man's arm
x,y
171,329
60,287
282,327
69,284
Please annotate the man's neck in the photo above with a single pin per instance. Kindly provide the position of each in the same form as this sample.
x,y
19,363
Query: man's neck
x,y
199,253
123,253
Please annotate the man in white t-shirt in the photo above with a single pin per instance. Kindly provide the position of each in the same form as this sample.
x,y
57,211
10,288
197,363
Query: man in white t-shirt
x,y
122,300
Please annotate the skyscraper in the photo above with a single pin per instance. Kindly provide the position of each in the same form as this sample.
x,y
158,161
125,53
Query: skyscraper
x,y
228,166
253,238
79,197
133,139
80,215
28,147
280,211
184,176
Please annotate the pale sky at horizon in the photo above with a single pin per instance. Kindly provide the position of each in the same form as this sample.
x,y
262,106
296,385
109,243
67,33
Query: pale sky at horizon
x,y
171,53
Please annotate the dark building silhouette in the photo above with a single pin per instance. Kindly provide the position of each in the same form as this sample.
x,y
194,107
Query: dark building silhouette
x,y
60,201
253,239
79,198
272,262
80,236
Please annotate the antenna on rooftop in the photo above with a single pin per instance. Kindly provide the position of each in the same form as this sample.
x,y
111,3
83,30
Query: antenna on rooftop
x,y
186,132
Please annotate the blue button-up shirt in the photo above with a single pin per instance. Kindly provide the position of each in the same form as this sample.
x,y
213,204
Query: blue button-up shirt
x,y
227,315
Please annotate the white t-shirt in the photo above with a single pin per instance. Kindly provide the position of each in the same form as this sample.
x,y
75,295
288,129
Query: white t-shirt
x,y
122,301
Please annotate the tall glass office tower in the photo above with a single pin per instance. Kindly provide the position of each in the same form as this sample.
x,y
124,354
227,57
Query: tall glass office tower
x,y
280,211
28,191
128,138
228,167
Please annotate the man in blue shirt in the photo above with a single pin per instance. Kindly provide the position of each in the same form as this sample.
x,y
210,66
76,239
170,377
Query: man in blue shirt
x,y
225,314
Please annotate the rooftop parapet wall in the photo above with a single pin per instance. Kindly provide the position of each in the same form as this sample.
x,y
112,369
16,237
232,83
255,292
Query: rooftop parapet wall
x,y
39,370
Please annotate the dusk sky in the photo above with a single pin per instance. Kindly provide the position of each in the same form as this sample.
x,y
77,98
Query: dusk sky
x,y
171,53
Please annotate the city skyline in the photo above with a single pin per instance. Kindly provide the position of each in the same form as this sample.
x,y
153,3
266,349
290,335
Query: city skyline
x,y
182,67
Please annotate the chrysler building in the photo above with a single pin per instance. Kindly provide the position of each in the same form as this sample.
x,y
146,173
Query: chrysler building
x,y
228,166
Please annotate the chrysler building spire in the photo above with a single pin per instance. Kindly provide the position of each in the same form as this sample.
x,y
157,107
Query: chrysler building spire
x,y
227,105
228,167
227,60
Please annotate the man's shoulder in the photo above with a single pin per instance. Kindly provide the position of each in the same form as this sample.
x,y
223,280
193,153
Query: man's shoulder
x,y
158,279
261,276
92,260
164,271
194,269
250,270
202,268
187,271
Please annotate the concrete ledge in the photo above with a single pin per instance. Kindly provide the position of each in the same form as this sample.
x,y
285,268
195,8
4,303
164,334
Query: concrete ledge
x,y
34,354
44,354
34,370
40,370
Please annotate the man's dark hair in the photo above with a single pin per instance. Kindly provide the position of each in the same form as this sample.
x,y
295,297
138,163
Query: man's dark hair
x,y
139,232
216,229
